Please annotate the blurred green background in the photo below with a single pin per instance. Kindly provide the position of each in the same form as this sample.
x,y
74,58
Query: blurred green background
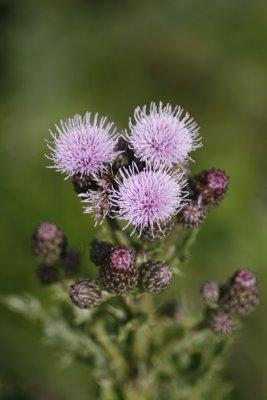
x,y
67,56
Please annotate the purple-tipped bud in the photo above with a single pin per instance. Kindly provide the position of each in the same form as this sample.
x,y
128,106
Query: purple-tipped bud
x,y
156,277
83,183
48,243
240,295
86,293
100,251
210,185
192,214
210,292
221,323
245,278
119,274
47,274
71,262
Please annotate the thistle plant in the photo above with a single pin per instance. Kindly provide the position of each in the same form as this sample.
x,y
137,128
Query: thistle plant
x,y
138,188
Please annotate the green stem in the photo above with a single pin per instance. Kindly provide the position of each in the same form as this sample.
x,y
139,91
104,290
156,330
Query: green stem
x,y
180,252
113,351
117,234
168,248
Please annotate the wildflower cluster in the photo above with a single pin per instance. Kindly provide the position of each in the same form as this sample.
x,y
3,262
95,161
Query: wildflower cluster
x,y
140,176
137,184
237,297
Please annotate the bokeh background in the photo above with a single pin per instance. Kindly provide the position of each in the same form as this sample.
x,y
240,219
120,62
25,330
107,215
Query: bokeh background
x,y
59,57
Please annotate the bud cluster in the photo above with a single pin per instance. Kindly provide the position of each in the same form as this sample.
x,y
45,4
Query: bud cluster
x,y
50,246
237,297
120,271
206,190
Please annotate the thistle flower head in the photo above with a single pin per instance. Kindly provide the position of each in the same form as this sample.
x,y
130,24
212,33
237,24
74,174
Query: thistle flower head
x,y
119,274
83,145
48,243
211,185
71,262
156,277
163,135
245,278
210,292
47,274
240,295
192,215
100,251
121,258
148,198
86,293
217,181
221,323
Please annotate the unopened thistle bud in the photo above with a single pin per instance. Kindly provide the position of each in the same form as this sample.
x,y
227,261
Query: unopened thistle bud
x,y
221,323
241,294
210,292
100,251
71,262
119,274
86,293
156,277
48,243
210,185
47,274
192,214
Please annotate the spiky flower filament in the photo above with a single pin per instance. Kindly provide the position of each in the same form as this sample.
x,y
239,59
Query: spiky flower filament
x,y
83,145
146,199
163,135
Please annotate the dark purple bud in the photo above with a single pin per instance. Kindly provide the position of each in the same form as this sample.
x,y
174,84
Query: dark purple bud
x,y
47,274
100,251
71,262
156,277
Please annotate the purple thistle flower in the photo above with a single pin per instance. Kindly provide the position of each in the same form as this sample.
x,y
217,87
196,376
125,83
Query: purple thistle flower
x,y
148,198
163,136
82,146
